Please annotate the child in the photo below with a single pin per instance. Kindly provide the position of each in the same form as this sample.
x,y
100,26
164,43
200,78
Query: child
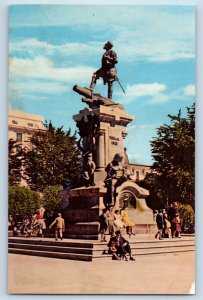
x,y
113,249
59,226
176,221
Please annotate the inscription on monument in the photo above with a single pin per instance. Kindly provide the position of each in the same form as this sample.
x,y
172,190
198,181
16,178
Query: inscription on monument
x,y
113,138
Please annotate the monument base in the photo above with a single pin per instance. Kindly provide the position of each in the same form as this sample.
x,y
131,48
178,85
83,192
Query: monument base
x,y
83,206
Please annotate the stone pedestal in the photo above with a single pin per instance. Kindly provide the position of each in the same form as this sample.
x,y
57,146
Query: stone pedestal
x,y
102,128
84,205
112,121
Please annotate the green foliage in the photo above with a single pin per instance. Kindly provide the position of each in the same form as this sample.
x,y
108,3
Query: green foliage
x,y
174,153
186,213
53,160
22,202
51,197
187,216
14,162
157,194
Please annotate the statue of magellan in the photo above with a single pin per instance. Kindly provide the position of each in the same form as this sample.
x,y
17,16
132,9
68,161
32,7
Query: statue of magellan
x,y
108,70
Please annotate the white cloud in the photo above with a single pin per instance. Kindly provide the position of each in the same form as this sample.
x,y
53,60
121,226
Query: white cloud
x,y
154,34
34,47
43,68
145,89
154,91
189,90
158,35
32,78
34,88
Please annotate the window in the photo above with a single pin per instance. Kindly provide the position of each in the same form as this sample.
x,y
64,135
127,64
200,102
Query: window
x,y
14,122
19,137
30,124
143,171
137,175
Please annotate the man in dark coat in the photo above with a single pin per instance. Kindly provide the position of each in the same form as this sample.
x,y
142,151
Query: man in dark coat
x,y
121,244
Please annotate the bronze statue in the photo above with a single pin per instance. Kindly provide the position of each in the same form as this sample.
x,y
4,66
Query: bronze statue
x,y
87,176
116,175
108,70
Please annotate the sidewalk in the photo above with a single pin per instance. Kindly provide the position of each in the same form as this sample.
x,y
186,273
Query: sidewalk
x,y
153,274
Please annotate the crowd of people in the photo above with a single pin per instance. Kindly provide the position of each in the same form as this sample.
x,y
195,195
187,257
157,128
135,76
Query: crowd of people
x,y
168,222
112,220
35,226
116,223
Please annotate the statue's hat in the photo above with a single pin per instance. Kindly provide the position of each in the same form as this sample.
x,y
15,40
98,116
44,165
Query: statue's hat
x,y
108,44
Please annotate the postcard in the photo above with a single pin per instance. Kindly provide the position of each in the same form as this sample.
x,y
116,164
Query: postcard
x,y
101,129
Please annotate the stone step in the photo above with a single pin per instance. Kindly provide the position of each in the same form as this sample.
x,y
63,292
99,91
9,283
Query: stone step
x,y
152,243
81,236
72,256
149,252
44,241
159,250
152,248
50,248
88,250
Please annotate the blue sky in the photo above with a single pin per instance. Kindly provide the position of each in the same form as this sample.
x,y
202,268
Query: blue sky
x,y
54,47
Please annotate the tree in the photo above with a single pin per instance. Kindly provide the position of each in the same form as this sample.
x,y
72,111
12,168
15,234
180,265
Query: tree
x,y
51,197
53,160
157,194
188,218
174,153
14,162
22,202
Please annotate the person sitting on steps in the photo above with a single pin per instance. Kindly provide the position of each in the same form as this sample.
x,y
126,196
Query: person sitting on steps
x,y
121,245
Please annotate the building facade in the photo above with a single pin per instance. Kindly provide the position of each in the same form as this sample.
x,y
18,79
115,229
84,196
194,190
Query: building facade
x,y
139,171
21,126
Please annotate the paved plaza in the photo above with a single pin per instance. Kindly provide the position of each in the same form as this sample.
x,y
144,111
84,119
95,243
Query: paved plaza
x,y
152,274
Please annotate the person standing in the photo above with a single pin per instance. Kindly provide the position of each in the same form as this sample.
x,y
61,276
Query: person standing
x,y
177,223
160,225
59,226
171,215
103,221
167,226
110,218
125,219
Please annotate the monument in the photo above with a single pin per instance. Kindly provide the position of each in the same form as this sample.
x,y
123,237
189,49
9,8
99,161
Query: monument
x,y
103,180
